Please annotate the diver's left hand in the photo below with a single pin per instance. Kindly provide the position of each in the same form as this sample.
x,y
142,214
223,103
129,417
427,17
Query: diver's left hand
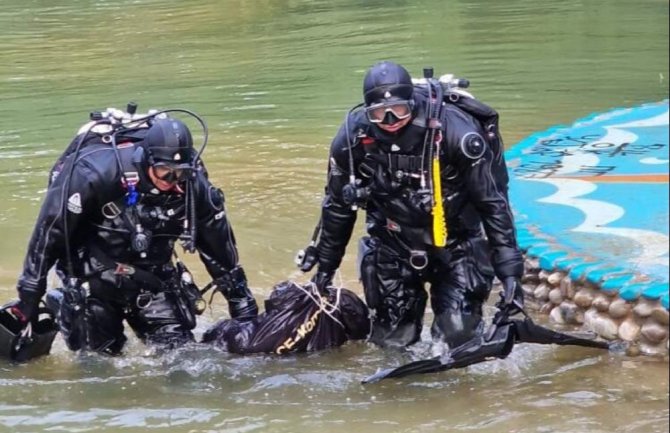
x,y
511,295
322,280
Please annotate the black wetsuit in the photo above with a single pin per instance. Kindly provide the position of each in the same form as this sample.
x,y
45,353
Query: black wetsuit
x,y
481,240
101,224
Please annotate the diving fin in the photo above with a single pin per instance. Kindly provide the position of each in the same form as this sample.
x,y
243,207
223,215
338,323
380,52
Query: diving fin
x,y
474,351
528,332
416,367
496,343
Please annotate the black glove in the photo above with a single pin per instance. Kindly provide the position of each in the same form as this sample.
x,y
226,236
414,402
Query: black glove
x,y
241,303
511,297
307,259
322,280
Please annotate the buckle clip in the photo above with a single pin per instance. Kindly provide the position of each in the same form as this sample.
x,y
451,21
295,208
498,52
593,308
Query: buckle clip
x,y
418,259
143,300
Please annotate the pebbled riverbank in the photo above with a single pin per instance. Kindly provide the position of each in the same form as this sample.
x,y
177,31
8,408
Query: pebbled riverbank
x,y
591,204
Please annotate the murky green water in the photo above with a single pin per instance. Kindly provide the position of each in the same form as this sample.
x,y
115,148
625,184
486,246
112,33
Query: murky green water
x,y
274,79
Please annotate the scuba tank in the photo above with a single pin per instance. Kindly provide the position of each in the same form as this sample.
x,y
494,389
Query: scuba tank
x,y
113,126
454,93
450,90
128,126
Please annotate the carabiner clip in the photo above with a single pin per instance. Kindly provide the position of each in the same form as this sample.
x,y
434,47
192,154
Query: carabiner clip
x,y
418,259
143,300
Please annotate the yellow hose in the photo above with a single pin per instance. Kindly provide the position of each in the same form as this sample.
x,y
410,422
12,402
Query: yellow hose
x,y
439,220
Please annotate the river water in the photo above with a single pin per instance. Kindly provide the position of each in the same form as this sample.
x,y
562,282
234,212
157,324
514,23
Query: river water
x,y
273,79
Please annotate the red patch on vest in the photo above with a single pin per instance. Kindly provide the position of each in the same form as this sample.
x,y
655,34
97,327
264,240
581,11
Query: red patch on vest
x,y
367,141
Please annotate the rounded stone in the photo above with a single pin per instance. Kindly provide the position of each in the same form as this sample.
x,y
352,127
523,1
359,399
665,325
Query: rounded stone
x,y
644,308
584,298
542,292
530,278
532,265
652,349
571,313
601,325
555,279
633,350
660,315
555,296
528,289
629,330
546,308
567,288
589,316
619,309
601,303
653,332
543,275
556,315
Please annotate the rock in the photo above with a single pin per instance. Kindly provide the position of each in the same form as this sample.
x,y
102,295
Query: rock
x,y
567,288
571,313
589,317
556,316
528,289
543,275
542,292
584,298
654,333
660,315
652,349
619,308
532,265
601,303
555,296
530,278
555,279
633,350
546,308
629,330
601,325
644,308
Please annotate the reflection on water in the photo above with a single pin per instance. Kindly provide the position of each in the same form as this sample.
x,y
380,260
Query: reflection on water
x,y
537,389
273,79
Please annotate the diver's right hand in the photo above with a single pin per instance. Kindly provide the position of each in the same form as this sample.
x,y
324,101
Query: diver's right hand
x,y
308,258
511,296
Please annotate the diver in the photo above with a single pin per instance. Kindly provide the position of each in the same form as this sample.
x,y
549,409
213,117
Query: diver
x,y
119,199
425,162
